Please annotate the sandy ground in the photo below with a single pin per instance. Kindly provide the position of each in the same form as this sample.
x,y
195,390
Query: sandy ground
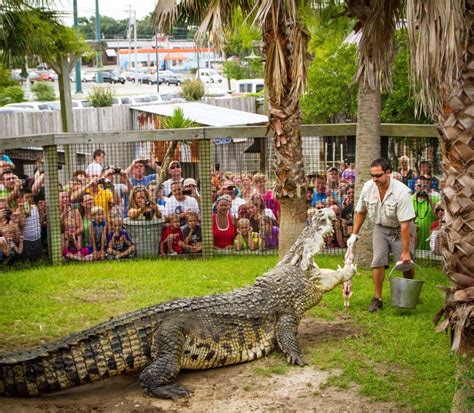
x,y
230,389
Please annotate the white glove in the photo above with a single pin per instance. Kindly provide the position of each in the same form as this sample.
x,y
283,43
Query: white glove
x,y
352,240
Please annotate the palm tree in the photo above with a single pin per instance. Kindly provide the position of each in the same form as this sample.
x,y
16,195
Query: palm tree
x,y
376,21
442,49
285,46
176,121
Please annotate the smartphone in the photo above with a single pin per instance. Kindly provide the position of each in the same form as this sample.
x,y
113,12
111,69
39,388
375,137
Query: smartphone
x,y
217,167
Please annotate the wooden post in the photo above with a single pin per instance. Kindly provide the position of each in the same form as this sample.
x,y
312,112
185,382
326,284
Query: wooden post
x,y
205,167
67,118
52,203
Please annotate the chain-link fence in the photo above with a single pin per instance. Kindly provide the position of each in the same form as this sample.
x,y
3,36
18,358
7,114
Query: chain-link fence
x,y
114,198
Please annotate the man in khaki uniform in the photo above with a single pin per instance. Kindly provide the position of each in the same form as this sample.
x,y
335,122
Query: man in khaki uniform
x,y
388,205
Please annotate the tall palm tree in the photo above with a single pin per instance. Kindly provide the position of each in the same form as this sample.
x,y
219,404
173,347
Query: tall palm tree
x,y
285,46
442,49
376,21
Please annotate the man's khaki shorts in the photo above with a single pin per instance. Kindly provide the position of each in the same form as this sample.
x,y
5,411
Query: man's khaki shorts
x,y
386,240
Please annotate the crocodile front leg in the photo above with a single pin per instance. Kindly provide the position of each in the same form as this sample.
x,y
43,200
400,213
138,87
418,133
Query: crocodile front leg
x,y
157,379
285,331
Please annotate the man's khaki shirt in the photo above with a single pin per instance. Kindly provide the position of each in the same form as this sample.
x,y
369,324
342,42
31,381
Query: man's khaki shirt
x,y
396,207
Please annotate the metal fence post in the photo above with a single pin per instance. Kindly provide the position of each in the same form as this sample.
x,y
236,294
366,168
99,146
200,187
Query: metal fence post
x,y
52,203
206,197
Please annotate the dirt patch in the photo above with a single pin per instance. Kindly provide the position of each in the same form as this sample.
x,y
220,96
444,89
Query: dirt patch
x,y
230,389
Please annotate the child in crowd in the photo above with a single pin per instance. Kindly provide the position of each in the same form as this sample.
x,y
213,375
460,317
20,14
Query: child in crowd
x,y
172,237
268,234
246,239
192,234
12,244
98,233
71,244
119,244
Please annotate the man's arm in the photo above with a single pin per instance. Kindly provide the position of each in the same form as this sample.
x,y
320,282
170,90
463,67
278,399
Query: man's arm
x,y
359,218
405,256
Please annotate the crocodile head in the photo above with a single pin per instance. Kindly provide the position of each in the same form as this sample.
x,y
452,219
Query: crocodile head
x,y
314,236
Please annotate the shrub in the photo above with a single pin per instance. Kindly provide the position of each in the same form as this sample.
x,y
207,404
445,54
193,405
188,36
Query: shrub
x,y
43,91
11,94
101,96
192,89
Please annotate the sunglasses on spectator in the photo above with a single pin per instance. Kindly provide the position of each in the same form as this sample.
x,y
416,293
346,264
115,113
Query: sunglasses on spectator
x,y
377,175
175,166
230,188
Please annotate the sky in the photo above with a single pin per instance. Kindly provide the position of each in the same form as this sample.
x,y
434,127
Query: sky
x,y
118,9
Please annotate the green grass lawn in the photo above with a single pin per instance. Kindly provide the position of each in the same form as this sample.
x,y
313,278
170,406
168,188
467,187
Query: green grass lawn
x,y
395,356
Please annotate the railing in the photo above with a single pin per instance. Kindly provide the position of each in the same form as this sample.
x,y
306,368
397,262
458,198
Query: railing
x,y
74,150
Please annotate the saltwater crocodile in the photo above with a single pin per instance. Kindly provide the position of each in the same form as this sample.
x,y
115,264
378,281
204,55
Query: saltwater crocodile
x,y
194,333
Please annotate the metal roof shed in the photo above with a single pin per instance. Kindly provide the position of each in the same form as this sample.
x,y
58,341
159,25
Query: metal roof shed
x,y
206,115
144,117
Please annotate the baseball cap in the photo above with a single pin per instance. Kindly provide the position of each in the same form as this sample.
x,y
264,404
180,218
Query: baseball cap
x,y
175,163
332,168
189,181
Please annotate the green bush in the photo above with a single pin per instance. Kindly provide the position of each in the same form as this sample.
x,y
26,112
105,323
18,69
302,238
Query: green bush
x,y
43,91
5,78
11,94
192,89
101,96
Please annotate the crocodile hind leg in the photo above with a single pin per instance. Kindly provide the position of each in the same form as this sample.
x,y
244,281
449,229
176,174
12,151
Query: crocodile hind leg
x,y
157,379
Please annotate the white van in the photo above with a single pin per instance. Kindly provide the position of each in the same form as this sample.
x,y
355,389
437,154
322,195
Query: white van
x,y
249,85
209,76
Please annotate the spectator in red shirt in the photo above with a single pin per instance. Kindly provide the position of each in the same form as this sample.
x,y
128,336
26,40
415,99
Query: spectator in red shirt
x,y
223,225
172,240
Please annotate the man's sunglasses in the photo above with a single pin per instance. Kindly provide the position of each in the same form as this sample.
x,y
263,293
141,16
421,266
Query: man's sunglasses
x,y
175,167
377,175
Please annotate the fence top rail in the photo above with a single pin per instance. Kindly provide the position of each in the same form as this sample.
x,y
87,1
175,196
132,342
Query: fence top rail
x,y
342,129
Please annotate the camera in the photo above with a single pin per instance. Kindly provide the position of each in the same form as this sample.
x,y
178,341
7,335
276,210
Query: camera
x,y
116,170
148,203
187,192
8,213
422,194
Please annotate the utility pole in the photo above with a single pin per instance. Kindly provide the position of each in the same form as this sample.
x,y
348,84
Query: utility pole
x,y
78,63
98,38
135,43
157,66
129,37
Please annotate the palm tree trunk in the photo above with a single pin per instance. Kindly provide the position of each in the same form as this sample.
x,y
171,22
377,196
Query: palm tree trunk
x,y
367,149
457,155
285,121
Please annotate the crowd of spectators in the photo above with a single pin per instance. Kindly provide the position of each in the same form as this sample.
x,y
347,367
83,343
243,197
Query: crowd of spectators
x,y
96,204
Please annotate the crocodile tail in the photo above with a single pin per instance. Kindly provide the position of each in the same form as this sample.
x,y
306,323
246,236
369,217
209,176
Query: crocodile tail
x,y
92,355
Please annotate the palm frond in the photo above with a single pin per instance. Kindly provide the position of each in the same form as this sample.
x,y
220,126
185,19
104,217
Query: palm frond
x,y
377,46
438,34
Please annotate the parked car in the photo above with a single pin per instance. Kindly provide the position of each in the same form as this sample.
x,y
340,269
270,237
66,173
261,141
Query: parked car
x,y
139,77
209,76
49,76
113,77
172,80
87,76
150,79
